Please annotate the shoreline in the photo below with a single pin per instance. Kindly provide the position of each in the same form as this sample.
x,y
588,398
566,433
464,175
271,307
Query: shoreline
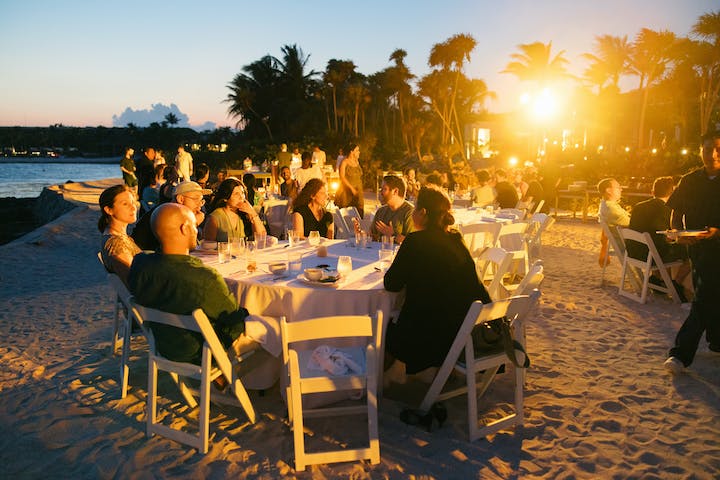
x,y
98,160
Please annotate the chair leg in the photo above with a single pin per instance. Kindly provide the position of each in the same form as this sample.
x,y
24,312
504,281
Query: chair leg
x,y
297,423
151,396
125,355
116,326
204,417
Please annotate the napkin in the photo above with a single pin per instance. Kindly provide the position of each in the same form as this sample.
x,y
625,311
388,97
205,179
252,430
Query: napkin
x,y
332,361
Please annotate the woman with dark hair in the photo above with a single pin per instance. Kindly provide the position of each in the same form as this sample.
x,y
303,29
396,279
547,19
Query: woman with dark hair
x,y
224,221
350,193
118,209
438,274
309,210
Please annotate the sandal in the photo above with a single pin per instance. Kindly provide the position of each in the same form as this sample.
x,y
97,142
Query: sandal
x,y
437,412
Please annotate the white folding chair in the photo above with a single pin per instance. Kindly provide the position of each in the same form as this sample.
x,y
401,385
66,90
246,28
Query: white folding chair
x,y
530,282
538,224
538,206
348,214
616,248
512,239
341,228
477,236
652,263
303,380
515,309
492,265
215,363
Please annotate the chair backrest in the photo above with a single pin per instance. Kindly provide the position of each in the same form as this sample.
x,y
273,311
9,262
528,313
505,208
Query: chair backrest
x,y
340,326
493,263
121,290
348,214
479,235
341,229
613,237
538,206
512,236
532,280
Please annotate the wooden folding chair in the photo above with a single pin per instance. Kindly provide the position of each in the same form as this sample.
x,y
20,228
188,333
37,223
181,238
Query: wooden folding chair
x,y
652,263
512,239
215,363
515,309
303,380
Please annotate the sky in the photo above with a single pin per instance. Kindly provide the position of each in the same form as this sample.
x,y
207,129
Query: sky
x,y
91,63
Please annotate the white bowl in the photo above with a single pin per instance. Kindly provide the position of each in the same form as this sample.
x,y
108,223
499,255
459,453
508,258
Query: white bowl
x,y
313,274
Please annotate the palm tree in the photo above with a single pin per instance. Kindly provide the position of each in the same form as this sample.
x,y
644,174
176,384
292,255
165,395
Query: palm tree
x,y
707,59
536,64
172,119
652,52
336,75
612,58
251,96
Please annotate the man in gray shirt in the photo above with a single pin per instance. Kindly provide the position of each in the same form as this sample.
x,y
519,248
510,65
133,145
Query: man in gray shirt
x,y
395,216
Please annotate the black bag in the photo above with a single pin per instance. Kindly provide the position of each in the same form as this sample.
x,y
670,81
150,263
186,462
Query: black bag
x,y
496,336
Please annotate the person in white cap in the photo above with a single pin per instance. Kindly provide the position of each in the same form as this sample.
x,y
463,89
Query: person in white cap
x,y
187,193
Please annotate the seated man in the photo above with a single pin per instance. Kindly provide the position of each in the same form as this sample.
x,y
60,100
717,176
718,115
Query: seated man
x,y
506,195
652,216
189,194
173,281
484,194
611,213
394,218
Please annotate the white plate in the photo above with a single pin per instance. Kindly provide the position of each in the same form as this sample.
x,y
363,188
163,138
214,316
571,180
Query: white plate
x,y
683,233
315,283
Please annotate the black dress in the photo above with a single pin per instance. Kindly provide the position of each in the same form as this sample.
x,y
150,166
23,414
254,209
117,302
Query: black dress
x,y
311,223
439,276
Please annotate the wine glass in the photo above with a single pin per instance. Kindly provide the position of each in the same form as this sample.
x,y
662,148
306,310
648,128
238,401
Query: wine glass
x,y
314,238
385,257
344,265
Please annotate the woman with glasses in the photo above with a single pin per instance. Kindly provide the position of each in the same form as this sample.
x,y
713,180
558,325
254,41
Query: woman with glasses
x,y
224,221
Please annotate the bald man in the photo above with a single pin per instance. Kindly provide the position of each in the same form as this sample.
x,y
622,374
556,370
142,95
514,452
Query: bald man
x,y
173,281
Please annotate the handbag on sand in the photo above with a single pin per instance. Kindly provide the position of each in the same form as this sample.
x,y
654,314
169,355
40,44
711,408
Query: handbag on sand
x,y
496,336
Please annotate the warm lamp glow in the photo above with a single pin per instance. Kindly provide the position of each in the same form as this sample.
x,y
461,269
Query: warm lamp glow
x,y
654,151
334,186
684,151
627,149
512,161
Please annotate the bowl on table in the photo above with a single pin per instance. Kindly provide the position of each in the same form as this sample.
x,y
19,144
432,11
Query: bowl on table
x,y
277,269
313,274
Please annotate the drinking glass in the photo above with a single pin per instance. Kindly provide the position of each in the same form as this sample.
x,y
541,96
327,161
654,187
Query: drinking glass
x,y
385,257
386,242
360,238
295,262
250,248
223,252
237,247
292,237
344,265
260,239
314,238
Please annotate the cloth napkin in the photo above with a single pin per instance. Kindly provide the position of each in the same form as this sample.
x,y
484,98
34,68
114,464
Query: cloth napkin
x,y
265,331
332,361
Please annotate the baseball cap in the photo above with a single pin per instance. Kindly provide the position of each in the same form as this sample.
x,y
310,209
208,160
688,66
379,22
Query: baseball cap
x,y
186,187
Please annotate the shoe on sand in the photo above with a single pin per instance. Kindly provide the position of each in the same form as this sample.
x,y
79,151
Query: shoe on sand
x,y
674,365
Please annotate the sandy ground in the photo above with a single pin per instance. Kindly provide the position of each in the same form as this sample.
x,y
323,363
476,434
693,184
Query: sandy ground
x,y
598,401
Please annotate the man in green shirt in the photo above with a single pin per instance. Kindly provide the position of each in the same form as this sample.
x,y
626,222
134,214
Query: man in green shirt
x,y
394,218
173,281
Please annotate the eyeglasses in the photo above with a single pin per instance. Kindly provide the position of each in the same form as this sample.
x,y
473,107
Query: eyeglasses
x,y
199,200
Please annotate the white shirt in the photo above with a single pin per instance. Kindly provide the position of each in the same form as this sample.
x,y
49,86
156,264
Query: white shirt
x,y
303,175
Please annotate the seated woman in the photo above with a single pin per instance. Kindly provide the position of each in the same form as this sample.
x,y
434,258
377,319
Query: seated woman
x,y
224,221
309,210
438,274
118,209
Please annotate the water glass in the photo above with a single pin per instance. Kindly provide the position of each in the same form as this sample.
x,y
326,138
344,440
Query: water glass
x,y
295,262
260,239
387,242
360,238
223,252
292,237
237,247
314,238
344,265
385,257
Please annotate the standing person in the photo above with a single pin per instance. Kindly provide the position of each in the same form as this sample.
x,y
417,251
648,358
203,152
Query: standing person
x,y
318,157
697,201
339,159
117,210
307,171
350,193
412,184
159,158
183,163
438,274
127,166
145,169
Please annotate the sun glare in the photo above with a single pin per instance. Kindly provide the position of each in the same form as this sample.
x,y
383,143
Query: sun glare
x,y
545,105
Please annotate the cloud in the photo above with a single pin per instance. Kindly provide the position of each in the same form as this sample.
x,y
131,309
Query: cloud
x,y
156,113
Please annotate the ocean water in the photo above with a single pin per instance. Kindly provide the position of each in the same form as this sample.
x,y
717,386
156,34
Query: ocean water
x,y
27,180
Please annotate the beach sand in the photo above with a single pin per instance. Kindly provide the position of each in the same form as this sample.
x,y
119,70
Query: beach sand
x,y
598,401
